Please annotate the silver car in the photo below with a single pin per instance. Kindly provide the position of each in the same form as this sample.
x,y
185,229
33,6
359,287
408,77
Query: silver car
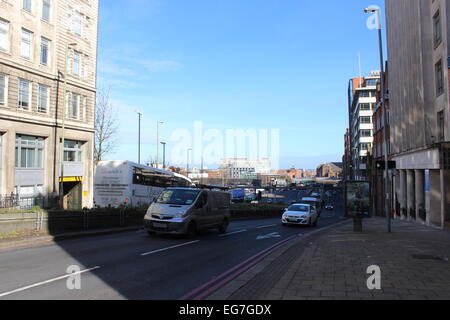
x,y
187,211
300,214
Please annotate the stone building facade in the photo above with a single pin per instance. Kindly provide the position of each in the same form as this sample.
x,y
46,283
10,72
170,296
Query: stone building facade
x,y
36,36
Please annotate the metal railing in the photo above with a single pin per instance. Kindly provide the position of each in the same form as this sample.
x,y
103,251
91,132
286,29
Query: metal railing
x,y
27,203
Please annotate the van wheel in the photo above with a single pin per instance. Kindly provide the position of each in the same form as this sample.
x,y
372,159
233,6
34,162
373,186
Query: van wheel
x,y
192,230
223,228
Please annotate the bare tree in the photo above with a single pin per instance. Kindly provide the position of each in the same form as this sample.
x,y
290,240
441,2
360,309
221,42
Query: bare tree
x,y
106,126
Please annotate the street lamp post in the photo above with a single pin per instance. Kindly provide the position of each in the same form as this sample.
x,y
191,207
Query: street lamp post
x,y
157,142
63,126
377,10
164,155
187,162
139,137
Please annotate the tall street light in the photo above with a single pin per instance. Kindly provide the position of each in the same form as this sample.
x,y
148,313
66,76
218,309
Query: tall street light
x,y
164,155
139,136
63,125
187,162
377,10
157,142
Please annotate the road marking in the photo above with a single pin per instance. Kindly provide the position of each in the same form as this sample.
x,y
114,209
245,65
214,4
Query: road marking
x,y
169,248
48,281
262,227
269,236
231,233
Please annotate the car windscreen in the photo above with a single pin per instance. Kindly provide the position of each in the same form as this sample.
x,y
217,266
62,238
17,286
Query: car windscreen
x,y
178,197
298,208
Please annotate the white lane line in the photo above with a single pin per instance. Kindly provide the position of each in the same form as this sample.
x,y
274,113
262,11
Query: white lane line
x,y
46,282
231,233
169,248
262,227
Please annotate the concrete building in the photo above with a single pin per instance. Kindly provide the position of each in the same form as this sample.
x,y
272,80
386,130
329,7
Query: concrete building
x,y
418,43
244,168
362,99
34,38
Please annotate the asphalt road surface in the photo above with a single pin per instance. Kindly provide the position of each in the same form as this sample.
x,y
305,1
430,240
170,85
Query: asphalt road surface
x,y
133,265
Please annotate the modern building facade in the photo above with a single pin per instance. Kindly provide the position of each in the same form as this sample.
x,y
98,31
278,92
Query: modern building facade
x,y
37,39
362,101
241,168
418,42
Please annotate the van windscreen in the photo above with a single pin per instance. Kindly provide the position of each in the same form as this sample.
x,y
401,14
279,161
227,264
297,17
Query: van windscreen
x,y
178,197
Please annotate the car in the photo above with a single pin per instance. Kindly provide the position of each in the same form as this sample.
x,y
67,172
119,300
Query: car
x,y
300,215
329,207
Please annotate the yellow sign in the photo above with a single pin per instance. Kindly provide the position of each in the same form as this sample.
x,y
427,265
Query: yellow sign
x,y
85,193
71,179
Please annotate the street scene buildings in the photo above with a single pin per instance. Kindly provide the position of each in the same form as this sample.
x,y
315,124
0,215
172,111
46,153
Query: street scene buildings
x,y
37,40
348,199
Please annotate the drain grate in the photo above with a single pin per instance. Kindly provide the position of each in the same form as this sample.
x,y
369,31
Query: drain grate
x,y
429,257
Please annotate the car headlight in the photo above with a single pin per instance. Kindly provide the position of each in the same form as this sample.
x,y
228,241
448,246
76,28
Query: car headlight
x,y
180,214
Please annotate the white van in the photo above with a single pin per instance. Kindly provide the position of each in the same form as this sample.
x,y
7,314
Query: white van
x,y
187,211
313,202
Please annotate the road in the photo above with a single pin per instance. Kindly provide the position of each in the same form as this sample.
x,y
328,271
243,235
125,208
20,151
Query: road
x,y
133,265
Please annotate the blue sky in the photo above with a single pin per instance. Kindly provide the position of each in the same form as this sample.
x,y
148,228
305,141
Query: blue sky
x,y
235,64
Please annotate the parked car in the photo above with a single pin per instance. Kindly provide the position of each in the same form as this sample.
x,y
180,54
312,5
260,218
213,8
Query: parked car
x,y
300,214
187,211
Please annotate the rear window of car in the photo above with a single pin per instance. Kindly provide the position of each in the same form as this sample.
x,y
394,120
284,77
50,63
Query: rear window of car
x,y
299,208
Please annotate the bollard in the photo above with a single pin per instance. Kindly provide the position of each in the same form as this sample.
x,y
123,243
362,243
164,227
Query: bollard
x,y
357,224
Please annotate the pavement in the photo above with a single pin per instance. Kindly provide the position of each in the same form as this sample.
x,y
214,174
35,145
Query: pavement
x,y
332,264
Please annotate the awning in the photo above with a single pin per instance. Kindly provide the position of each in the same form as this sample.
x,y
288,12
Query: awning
x,y
71,179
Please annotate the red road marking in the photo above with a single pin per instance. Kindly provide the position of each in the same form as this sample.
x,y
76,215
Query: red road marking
x,y
239,269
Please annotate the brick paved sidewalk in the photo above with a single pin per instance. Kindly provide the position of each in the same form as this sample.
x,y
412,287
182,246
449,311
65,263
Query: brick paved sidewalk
x,y
332,264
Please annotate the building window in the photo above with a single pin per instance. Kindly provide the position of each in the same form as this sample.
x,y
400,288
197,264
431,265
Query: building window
x,y
439,78
441,126
44,99
26,44
371,82
4,35
365,106
366,133
437,29
29,152
3,89
24,94
45,50
366,120
27,5
46,5
72,151
74,106
76,63
77,26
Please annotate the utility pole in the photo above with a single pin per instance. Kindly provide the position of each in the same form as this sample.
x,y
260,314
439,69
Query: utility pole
x,y
139,137
164,155
63,127
385,122
157,142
